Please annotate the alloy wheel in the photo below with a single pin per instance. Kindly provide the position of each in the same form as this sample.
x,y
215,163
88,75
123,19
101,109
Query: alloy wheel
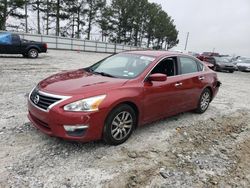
x,y
121,125
205,99
33,53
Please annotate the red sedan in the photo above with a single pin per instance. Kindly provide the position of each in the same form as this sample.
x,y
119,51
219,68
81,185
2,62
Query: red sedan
x,y
111,98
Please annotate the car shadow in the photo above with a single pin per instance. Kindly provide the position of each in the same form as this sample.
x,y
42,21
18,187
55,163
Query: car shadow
x,y
57,145
21,57
1,56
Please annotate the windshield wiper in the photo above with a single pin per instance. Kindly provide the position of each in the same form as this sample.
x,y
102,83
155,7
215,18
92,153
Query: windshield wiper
x,y
104,74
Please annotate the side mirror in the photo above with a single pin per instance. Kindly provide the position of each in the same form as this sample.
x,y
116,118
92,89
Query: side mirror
x,y
158,77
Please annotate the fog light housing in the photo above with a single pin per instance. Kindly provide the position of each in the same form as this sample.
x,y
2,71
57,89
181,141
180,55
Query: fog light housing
x,y
75,130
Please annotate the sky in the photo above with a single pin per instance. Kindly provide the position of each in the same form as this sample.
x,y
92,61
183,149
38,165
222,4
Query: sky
x,y
219,25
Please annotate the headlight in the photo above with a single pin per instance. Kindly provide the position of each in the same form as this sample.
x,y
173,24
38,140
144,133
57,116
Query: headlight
x,y
90,104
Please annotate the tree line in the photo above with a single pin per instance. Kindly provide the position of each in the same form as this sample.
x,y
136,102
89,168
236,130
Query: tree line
x,y
133,22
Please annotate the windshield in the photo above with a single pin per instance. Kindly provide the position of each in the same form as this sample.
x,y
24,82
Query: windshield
x,y
222,59
122,65
246,61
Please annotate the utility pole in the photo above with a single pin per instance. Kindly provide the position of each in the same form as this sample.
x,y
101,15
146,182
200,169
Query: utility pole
x,y
186,41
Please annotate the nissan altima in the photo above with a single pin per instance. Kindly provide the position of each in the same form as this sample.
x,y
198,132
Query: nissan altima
x,y
113,97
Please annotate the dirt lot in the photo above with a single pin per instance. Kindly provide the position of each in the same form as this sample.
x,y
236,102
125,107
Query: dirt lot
x,y
187,150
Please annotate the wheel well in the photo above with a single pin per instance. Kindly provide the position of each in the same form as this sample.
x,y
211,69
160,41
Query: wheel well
x,y
33,47
211,91
133,105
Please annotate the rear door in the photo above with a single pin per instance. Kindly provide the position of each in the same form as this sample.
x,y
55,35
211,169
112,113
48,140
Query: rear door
x,y
191,82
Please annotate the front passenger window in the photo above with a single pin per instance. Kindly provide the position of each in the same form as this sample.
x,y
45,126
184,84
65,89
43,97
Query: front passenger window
x,y
188,65
166,66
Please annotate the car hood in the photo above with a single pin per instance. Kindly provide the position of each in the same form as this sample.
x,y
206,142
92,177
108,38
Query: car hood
x,y
225,63
78,82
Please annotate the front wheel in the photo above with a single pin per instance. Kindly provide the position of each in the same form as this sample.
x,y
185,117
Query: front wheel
x,y
204,101
231,71
216,68
33,53
119,125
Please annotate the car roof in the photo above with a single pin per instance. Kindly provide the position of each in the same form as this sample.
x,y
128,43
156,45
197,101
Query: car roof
x,y
154,53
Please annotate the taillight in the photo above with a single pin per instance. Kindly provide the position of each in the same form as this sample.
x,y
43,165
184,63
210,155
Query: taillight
x,y
45,45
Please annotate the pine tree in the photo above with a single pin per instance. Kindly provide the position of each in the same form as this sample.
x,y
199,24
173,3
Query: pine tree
x,y
75,13
47,9
104,22
93,7
10,8
36,5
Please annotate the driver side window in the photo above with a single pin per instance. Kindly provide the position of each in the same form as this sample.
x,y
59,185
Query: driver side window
x,y
166,66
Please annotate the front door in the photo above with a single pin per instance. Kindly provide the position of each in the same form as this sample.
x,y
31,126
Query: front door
x,y
15,47
161,97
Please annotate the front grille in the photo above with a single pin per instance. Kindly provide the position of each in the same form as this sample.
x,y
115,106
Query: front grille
x,y
228,66
43,101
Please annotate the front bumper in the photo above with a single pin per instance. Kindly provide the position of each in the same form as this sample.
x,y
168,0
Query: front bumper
x,y
52,122
226,67
243,68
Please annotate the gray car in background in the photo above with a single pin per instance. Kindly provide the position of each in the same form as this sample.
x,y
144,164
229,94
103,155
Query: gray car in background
x,y
243,64
224,64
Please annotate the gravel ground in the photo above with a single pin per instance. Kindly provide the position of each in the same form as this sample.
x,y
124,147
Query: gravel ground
x,y
187,150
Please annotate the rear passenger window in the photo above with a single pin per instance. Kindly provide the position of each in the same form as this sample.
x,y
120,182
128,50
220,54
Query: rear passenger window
x,y
188,65
15,39
200,66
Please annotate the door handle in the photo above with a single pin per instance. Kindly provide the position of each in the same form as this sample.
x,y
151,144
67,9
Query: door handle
x,y
178,84
201,77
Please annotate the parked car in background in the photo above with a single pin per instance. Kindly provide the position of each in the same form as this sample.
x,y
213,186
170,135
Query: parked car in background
x,y
210,54
109,99
208,60
12,44
209,65
224,64
243,65
195,54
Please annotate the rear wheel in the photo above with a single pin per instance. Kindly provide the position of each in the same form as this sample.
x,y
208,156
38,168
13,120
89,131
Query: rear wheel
x,y
33,53
204,101
231,71
119,125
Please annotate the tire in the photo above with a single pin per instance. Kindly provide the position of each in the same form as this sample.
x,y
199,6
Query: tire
x,y
33,53
231,71
204,101
216,68
25,55
115,130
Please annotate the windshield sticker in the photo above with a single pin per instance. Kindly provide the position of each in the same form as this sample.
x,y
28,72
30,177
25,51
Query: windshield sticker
x,y
147,58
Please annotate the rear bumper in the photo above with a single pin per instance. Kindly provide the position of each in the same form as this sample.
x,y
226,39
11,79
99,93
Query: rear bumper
x,y
43,50
216,87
